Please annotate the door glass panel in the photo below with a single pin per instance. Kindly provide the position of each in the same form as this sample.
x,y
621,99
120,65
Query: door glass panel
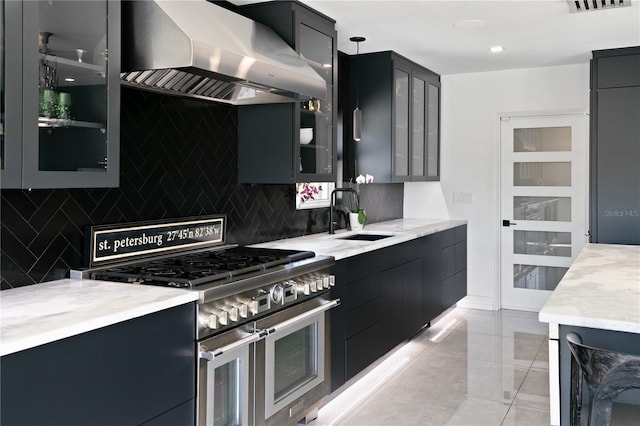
x,y
402,123
542,174
542,243
226,394
542,139
316,116
537,277
418,128
72,85
295,360
2,96
556,209
434,131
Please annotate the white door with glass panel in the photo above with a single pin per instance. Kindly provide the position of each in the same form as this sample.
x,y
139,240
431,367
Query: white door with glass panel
x,y
543,204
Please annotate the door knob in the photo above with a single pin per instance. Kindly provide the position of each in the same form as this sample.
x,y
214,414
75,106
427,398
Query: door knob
x,y
507,222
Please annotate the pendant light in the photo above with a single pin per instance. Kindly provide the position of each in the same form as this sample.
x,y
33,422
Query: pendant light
x,y
357,114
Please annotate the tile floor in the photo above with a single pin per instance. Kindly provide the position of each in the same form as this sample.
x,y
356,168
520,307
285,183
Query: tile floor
x,y
472,367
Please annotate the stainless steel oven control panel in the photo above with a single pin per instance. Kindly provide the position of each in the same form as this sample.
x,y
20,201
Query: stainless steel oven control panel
x,y
221,314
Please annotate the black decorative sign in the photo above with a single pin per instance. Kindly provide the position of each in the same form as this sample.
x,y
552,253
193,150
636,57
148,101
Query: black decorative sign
x,y
118,242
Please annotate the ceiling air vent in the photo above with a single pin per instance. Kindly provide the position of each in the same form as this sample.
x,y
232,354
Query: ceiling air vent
x,y
587,5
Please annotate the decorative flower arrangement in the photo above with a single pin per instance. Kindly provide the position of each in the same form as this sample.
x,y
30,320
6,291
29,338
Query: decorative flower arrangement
x,y
362,215
308,191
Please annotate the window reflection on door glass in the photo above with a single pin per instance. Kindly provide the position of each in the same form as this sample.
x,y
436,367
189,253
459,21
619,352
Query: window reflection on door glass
x,y
225,395
537,277
556,209
542,243
542,174
542,139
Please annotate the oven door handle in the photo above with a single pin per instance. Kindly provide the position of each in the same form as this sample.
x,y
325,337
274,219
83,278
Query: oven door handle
x,y
310,313
210,355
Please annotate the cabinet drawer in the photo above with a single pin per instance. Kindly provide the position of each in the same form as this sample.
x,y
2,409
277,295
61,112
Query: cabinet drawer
x,y
461,233
362,291
363,316
448,237
461,256
454,288
363,349
448,261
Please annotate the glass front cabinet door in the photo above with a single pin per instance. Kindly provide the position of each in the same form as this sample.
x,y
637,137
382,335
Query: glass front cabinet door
x,y
61,94
400,104
293,142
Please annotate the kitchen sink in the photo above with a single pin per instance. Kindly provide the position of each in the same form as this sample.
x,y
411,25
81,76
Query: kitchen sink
x,y
365,237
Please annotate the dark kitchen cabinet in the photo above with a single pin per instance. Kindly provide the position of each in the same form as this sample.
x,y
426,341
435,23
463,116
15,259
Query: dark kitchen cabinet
x,y
400,104
388,295
615,146
431,297
292,142
60,94
134,372
454,265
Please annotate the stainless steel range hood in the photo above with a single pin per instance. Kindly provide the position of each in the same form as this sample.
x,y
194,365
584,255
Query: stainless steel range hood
x,y
198,49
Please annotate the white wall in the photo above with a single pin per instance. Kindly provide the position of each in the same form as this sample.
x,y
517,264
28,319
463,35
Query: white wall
x,y
471,106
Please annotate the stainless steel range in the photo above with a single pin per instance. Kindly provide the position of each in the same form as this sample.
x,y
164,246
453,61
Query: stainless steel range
x,y
262,328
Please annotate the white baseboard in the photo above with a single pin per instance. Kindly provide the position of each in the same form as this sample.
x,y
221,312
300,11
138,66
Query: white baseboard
x,y
478,302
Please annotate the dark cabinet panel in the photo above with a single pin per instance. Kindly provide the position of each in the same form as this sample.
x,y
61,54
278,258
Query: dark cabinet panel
x,y
615,147
362,350
618,71
124,374
431,277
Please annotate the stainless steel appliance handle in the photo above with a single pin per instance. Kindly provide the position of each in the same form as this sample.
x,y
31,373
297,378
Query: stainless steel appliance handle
x,y
310,313
210,355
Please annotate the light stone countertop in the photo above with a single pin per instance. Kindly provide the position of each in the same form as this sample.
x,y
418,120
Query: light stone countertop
x,y
600,290
401,230
41,313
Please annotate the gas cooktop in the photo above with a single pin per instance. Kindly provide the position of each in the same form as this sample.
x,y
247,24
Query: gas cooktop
x,y
197,268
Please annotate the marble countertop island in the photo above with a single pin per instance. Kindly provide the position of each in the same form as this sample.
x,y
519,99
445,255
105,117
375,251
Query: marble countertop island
x,y
399,231
41,313
600,290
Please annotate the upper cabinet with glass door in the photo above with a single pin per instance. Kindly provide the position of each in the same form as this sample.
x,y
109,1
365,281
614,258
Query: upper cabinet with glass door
x,y
296,142
61,94
400,104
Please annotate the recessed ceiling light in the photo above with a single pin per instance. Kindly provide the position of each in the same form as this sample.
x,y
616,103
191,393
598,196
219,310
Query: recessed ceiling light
x,y
468,24
496,49
69,79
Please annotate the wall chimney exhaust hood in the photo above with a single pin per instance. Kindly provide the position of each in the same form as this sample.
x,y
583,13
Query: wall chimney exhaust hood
x,y
198,49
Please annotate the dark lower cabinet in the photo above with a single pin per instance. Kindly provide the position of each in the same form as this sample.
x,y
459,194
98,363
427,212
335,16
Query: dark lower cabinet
x,y
140,371
390,294
454,266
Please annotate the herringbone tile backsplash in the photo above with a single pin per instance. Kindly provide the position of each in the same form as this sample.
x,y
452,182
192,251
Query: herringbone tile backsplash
x,y
178,158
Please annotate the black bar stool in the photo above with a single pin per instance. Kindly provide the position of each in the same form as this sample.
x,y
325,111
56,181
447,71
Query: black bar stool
x,y
607,375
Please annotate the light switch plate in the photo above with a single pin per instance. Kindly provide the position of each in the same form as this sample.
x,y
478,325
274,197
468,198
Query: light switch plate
x,y
462,198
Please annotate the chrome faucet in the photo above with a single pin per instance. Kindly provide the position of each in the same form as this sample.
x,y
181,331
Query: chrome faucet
x,y
332,205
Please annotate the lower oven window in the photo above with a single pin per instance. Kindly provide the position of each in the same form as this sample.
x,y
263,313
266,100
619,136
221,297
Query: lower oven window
x,y
296,361
226,394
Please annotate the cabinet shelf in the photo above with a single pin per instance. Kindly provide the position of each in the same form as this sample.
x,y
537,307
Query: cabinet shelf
x,y
61,122
82,73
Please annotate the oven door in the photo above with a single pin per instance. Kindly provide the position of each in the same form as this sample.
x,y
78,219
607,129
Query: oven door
x,y
295,361
225,379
